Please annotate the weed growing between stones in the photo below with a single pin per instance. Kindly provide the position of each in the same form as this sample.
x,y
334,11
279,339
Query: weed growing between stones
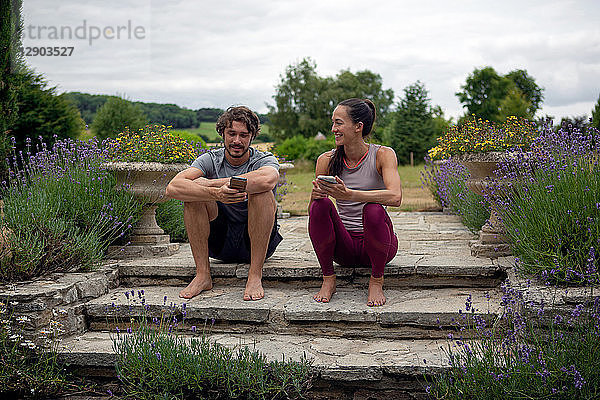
x,y
155,362
61,210
28,365
446,181
552,212
532,354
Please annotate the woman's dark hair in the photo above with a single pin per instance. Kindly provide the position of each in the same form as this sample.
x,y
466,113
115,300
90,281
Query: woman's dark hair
x,y
240,114
359,110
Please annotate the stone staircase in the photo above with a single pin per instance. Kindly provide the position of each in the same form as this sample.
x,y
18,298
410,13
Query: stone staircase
x,y
358,352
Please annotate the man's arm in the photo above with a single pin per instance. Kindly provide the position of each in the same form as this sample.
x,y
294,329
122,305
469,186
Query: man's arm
x,y
190,185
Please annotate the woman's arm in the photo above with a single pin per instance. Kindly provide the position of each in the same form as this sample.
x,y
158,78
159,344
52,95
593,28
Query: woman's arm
x,y
320,169
390,196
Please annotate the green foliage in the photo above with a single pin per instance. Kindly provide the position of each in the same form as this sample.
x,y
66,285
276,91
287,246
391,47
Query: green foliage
x,y
61,211
189,137
169,114
493,97
42,113
446,181
87,104
11,27
116,115
412,127
152,143
304,100
596,115
300,148
541,354
553,222
478,136
169,216
153,363
208,114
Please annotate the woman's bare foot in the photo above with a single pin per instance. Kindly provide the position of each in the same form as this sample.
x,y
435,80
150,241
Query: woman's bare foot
x,y
327,290
254,289
196,286
376,297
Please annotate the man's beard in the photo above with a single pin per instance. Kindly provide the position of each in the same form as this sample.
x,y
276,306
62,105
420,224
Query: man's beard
x,y
240,156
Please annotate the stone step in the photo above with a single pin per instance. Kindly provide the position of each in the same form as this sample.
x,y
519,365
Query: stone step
x,y
343,368
451,269
420,314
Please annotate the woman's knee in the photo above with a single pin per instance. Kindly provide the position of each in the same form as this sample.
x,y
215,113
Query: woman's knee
x,y
373,213
320,208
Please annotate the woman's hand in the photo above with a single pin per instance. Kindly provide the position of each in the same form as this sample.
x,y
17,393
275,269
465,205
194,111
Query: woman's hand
x,y
317,192
338,190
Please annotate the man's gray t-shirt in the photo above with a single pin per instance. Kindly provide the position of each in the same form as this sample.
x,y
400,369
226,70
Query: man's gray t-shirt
x,y
214,165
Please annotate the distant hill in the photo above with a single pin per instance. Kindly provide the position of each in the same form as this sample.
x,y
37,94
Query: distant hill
x,y
166,114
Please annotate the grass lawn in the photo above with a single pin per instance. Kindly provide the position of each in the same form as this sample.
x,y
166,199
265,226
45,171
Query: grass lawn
x,y
300,178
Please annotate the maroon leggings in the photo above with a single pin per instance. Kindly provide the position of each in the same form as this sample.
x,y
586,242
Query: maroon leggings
x,y
375,246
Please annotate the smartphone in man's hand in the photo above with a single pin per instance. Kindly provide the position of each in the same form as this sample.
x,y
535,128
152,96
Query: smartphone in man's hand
x,y
238,182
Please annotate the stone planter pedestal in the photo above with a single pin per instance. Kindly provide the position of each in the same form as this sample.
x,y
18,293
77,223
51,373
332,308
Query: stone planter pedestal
x,y
283,168
492,242
147,182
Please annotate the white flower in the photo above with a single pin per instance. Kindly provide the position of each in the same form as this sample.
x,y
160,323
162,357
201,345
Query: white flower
x,y
22,319
15,337
14,303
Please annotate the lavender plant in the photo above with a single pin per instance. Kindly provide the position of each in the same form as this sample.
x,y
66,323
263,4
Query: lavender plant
x,y
447,181
61,210
535,355
552,215
152,358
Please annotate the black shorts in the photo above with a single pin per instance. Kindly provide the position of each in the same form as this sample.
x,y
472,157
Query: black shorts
x,y
230,242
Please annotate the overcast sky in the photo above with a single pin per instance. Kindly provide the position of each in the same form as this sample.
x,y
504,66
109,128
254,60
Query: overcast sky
x,y
215,53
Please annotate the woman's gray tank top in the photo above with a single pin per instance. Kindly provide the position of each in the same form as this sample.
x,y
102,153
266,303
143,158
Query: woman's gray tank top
x,y
363,177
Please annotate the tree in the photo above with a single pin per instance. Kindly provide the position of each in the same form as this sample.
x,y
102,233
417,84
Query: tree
x,y
493,97
116,114
412,127
304,100
11,60
42,113
596,115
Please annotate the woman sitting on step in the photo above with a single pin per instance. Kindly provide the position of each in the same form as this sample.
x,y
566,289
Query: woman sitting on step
x,y
362,178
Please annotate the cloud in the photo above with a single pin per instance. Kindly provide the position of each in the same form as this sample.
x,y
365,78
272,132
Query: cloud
x,y
214,53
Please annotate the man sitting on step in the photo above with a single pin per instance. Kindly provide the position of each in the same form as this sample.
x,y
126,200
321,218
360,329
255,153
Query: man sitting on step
x,y
232,225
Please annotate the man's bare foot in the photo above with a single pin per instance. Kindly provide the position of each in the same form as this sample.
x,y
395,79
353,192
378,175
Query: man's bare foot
x,y
196,286
254,289
327,290
376,297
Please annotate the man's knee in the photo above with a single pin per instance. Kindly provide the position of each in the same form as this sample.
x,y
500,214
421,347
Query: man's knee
x,y
264,201
199,209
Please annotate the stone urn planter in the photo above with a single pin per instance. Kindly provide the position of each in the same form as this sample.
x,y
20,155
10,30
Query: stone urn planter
x,y
492,241
147,181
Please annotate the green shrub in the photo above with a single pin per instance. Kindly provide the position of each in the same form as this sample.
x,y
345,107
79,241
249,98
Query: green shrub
x,y
299,147
61,211
189,137
153,363
169,216
540,354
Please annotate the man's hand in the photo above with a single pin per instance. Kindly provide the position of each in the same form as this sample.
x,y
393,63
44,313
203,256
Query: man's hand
x,y
228,195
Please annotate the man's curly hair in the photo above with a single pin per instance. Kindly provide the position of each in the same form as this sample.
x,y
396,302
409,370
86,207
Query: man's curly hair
x,y
240,114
